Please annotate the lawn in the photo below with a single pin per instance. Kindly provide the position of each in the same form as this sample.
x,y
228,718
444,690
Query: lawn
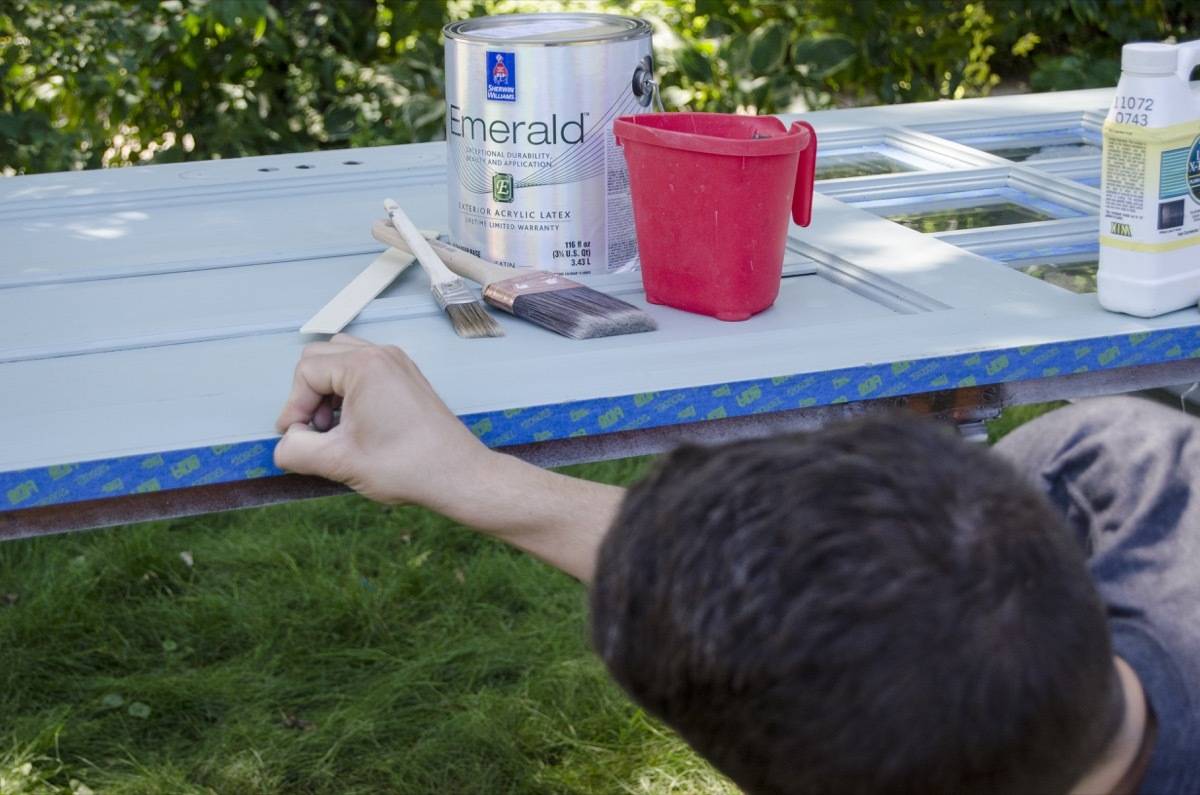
x,y
333,646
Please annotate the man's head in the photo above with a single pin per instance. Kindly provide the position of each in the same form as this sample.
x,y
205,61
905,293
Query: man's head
x,y
875,608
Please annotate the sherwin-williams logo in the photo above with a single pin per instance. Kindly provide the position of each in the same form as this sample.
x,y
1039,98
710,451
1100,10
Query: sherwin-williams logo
x,y
1193,169
501,76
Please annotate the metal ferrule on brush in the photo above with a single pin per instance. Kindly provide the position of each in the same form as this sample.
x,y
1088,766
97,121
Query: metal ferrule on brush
x,y
452,292
504,293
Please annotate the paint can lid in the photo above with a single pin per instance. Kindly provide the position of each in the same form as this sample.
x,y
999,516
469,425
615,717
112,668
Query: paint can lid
x,y
1149,58
547,29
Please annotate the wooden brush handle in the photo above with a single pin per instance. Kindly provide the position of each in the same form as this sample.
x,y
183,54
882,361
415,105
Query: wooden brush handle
x,y
464,264
416,244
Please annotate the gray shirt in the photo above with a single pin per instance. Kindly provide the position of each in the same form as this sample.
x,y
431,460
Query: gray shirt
x,y
1122,471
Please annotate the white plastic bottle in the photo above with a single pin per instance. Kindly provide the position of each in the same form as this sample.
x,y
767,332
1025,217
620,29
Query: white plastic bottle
x,y
1150,183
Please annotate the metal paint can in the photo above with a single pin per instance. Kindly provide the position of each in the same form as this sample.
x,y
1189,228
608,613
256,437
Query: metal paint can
x,y
535,176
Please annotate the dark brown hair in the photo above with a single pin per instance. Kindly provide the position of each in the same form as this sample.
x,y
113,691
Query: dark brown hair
x,y
878,607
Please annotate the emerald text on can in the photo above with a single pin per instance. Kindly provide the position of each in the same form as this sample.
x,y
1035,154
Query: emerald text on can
x,y
536,133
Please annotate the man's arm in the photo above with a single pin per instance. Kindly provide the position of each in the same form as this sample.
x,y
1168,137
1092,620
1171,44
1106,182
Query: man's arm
x,y
396,441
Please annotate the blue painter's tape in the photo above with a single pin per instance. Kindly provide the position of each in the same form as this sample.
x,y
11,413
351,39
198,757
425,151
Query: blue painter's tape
x,y
229,463
116,477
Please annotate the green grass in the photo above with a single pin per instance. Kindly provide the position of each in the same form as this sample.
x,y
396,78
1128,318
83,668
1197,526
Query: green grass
x,y
1012,418
333,646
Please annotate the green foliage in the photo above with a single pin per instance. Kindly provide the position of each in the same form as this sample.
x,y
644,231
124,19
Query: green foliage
x,y
766,57
1079,41
101,82
94,83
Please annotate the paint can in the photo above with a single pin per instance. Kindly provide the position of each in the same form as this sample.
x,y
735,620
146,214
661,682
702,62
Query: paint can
x,y
535,176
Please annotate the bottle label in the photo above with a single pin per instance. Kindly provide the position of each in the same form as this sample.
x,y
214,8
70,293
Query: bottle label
x,y
1150,187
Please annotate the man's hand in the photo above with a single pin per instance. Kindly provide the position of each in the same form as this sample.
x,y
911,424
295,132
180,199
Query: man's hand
x,y
396,441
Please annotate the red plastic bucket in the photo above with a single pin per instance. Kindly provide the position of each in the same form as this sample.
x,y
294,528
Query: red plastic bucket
x,y
711,194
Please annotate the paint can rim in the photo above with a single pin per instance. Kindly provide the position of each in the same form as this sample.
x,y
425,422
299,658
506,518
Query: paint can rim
x,y
597,29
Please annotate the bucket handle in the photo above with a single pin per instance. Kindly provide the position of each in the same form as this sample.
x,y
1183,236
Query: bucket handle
x,y
806,168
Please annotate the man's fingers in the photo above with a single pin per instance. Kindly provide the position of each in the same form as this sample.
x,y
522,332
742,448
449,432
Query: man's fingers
x,y
326,348
319,381
305,451
323,417
349,339
315,377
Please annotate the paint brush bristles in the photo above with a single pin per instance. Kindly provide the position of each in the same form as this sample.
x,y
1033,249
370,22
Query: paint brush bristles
x,y
567,307
451,293
465,311
551,301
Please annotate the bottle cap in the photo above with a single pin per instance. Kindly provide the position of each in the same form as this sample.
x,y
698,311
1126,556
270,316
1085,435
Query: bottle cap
x,y
1149,58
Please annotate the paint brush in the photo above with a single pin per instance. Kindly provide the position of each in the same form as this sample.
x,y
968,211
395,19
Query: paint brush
x,y
465,311
547,299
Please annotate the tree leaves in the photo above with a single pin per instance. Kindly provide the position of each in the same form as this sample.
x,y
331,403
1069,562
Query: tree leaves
x,y
150,74
768,47
825,55
694,65
239,77
1067,72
